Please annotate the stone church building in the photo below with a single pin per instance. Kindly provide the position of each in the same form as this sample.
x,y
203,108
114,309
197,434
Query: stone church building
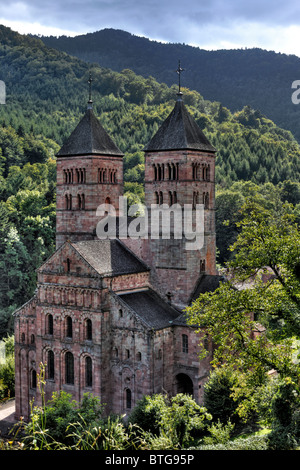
x,y
108,313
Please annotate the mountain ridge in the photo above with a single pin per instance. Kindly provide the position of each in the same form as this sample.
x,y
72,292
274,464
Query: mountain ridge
x,y
234,77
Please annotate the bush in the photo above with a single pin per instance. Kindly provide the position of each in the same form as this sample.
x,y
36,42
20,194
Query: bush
x,y
285,410
182,419
219,433
217,396
148,412
51,423
169,423
7,369
110,435
249,443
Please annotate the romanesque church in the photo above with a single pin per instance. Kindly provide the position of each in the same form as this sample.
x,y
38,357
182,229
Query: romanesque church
x,y
108,313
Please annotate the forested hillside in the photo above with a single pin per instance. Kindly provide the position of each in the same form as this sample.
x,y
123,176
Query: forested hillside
x,y
255,77
47,92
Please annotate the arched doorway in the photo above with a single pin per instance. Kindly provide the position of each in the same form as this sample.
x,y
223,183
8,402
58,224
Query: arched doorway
x,y
184,384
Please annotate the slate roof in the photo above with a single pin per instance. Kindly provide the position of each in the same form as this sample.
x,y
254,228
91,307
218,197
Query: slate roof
x,y
88,138
109,257
151,308
179,132
206,283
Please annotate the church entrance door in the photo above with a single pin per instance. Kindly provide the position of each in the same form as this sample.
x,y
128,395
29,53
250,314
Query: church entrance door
x,y
184,384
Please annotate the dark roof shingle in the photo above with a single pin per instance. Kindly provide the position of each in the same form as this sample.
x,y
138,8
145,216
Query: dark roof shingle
x,y
151,308
206,283
179,132
109,257
88,138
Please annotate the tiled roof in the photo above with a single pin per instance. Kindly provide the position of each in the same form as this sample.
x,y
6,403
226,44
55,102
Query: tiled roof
x,y
88,138
109,257
179,132
151,308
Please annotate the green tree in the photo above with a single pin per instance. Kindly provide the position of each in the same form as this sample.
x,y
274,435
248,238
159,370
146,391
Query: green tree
x,y
182,418
254,316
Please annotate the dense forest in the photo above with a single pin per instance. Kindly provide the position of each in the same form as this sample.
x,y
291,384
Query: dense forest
x,y
47,91
253,76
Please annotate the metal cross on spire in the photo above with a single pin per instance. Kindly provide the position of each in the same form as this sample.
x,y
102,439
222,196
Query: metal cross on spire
x,y
179,71
90,90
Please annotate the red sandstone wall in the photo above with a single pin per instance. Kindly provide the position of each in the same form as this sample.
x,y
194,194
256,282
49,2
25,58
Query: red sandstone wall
x,y
79,224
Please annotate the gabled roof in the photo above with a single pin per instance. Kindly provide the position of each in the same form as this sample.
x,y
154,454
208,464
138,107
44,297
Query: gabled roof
x,y
151,308
109,257
88,138
179,132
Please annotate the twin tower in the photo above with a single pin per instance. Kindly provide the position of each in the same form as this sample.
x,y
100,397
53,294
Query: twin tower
x,y
179,170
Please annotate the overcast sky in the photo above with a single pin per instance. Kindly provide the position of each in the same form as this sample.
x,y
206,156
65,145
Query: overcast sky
x,y
209,24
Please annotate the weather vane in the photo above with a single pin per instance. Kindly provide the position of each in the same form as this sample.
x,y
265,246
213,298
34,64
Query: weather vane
x,y
179,71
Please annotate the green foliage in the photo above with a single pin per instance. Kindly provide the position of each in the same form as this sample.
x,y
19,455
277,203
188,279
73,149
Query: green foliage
x,y
254,317
242,443
109,435
220,433
7,368
61,412
183,417
218,398
169,423
148,412
285,409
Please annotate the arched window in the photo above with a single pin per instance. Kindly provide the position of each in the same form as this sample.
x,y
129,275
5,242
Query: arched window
x,y
88,329
206,200
50,324
33,379
139,356
107,201
69,327
88,372
68,200
185,344
50,364
128,398
68,265
69,368
202,265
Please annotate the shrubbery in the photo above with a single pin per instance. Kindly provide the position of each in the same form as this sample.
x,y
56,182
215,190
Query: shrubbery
x,y
7,369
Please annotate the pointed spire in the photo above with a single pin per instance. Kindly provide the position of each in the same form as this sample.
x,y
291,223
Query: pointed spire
x,y
179,132
88,138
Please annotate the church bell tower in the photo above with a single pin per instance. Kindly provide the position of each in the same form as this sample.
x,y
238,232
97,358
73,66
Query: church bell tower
x,y
180,169
89,173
